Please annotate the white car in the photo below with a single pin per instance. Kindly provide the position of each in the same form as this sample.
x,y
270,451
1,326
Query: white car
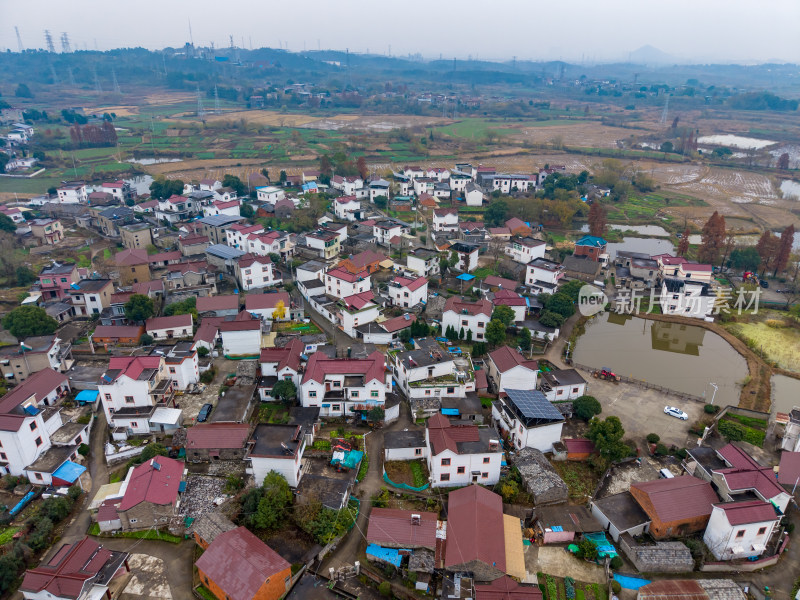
x,y
675,412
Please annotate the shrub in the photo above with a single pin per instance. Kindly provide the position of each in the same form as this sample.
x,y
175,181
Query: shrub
x,y
83,450
586,407
208,376
661,450
711,409
615,563
202,351
682,453
653,438
84,419
145,339
385,589
615,585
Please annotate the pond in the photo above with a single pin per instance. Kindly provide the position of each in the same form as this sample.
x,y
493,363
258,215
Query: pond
x,y
785,393
683,358
653,230
651,246
154,161
734,141
790,189
141,183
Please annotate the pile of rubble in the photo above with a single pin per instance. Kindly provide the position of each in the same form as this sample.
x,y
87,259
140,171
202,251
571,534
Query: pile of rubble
x,y
203,494
539,477
246,372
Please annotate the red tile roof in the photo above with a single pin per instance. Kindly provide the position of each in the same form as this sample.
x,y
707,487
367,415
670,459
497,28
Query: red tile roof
x,y
505,359
394,527
165,256
131,256
790,468
145,287
173,322
475,527
678,498
745,473
505,588
398,323
243,228
288,356
508,298
411,283
224,302
192,239
673,589
748,511
515,223
108,510
240,563
445,436
359,301
117,331
372,368
70,567
221,204
579,446
132,366
346,199
461,306
120,297
366,258
501,282
217,435
266,301
39,384
344,275
443,212
156,481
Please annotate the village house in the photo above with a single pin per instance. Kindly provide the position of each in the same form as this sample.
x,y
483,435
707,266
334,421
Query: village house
x,y
508,183
12,213
241,337
150,494
137,235
368,260
279,364
120,190
324,243
389,232
378,187
459,314
356,310
423,262
82,570
113,335
48,231
472,233
512,300
592,247
32,354
347,185
167,328
507,368
563,524
215,227
218,306
582,268
562,384
741,529
384,332
133,265
108,220
254,272
175,209
430,371
518,227
73,192
90,296
635,270
340,283
55,280
408,293
269,194
340,386
216,441
238,565
277,448
264,306
131,389
528,418
678,267
182,363
407,529
404,445
467,256
462,454
525,249
236,235
473,193
686,298
677,506
445,219
348,208
543,276
223,207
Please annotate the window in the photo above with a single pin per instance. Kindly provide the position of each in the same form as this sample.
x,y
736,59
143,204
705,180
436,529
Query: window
x,y
451,390
337,384
464,322
575,390
740,534
136,521
354,394
38,441
761,530
485,475
312,394
335,407
445,462
417,452
374,393
460,470
39,476
33,426
172,369
3,455
486,460
427,392
128,399
445,477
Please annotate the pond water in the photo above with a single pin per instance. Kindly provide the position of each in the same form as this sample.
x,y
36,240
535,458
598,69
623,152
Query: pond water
x,y
651,246
684,358
790,189
734,141
653,230
785,393
141,183
154,161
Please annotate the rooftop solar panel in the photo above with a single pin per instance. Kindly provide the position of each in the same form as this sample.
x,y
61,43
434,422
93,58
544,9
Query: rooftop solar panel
x,y
534,406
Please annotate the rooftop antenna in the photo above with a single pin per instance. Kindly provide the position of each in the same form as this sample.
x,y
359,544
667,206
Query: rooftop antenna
x,y
49,40
97,87
65,49
665,111
216,100
201,112
19,40
116,85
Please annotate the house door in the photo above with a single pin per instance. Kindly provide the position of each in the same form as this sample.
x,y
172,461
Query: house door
x,y
474,478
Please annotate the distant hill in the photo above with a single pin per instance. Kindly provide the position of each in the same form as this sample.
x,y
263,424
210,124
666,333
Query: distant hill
x,y
650,55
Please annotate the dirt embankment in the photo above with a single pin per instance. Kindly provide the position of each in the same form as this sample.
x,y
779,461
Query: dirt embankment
x,y
756,394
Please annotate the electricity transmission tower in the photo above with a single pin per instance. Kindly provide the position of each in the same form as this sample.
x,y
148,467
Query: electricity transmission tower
x,y
65,49
201,112
665,112
71,76
97,87
19,40
49,40
56,81
116,85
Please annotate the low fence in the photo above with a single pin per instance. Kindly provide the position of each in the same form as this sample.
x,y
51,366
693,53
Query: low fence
x,y
748,567
646,384
404,486
118,457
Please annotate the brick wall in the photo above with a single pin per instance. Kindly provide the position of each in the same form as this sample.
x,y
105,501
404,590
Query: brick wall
x,y
146,515
664,529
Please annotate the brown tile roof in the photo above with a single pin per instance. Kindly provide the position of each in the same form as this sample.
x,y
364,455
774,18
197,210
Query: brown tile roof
x,y
217,435
475,527
445,436
678,498
172,322
505,588
39,384
266,301
240,563
367,257
748,511
501,282
461,306
745,473
131,256
398,323
392,526
505,359
224,302
411,283
117,331
372,367
156,481
672,589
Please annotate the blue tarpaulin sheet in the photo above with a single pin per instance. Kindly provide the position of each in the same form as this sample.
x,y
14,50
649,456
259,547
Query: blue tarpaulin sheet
x,y
450,412
69,472
87,396
466,277
604,547
350,460
182,486
387,555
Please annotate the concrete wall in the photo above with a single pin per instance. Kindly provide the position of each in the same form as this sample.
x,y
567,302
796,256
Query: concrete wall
x,y
663,557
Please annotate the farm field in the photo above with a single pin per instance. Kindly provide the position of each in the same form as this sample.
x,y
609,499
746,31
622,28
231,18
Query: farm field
x,y
772,332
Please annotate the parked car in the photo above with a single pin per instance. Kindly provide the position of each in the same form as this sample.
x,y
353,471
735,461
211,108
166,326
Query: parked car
x,y
204,413
764,284
675,412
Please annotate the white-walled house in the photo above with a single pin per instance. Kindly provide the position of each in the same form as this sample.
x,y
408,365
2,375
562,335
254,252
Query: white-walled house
x,y
278,364
562,384
237,234
167,328
341,283
241,337
525,249
222,207
471,316
255,272
686,298
386,230
378,187
73,193
407,293
277,448
130,390
423,262
404,445
430,371
543,275
678,267
347,185
264,305
459,455
473,194
345,386
348,208
467,256
445,219
528,418
509,369
357,310
511,299
269,194
182,365
741,529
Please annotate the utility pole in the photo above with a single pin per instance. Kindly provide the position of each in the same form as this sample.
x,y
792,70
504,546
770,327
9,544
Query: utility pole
x,y
201,112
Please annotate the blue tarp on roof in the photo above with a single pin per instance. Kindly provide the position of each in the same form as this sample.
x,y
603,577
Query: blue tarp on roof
x,y
182,486
69,472
87,396
466,277
387,555
450,412
32,410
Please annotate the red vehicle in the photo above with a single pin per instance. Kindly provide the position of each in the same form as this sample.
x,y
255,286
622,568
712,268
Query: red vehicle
x,y
607,374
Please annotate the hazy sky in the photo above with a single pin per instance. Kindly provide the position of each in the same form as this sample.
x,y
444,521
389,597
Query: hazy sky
x,y
701,30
